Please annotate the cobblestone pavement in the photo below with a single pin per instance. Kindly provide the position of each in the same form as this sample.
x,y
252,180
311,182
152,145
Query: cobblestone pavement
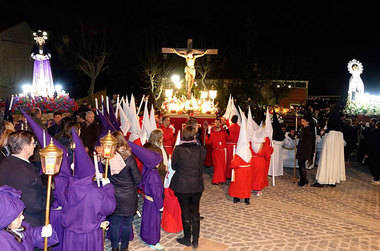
x,y
287,217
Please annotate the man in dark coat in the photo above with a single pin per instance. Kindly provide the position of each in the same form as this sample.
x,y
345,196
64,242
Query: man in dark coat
x,y
90,132
305,148
374,154
187,183
57,127
16,171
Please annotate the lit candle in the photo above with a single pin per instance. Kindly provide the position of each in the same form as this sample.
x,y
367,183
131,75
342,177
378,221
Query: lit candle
x,y
102,103
96,105
44,138
107,105
96,168
10,104
117,105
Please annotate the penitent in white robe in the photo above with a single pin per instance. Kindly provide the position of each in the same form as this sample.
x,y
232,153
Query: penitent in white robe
x,y
276,161
331,168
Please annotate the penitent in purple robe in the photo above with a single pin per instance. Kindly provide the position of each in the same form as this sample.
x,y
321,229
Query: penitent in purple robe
x,y
152,187
86,207
32,238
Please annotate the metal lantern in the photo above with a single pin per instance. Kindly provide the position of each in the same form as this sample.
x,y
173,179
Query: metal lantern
x,y
51,158
109,144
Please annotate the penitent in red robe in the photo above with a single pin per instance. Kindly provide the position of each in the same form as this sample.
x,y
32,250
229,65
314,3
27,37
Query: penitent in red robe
x,y
169,139
241,185
232,140
260,166
217,140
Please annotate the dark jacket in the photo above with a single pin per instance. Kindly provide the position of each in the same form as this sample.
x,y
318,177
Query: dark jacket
x,y
21,175
125,184
90,135
187,161
306,145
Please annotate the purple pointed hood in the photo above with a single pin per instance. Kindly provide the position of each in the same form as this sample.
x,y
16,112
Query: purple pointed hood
x,y
149,158
11,205
112,117
38,132
83,165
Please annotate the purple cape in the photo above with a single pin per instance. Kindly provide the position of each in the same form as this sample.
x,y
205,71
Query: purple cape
x,y
32,238
86,207
152,185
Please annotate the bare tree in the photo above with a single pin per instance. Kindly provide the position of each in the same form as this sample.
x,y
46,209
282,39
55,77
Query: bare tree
x,y
88,49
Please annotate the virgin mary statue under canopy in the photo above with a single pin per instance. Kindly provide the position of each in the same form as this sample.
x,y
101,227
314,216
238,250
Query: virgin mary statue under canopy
x,y
42,77
356,87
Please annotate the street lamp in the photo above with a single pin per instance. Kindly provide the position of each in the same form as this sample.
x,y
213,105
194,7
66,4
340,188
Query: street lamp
x,y
51,159
108,144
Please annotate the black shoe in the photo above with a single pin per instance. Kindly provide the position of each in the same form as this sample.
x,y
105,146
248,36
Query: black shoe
x,y
316,184
236,200
246,201
184,241
115,249
301,183
332,185
195,244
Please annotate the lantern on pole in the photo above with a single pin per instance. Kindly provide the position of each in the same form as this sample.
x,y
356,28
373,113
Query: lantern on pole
x,y
108,144
51,159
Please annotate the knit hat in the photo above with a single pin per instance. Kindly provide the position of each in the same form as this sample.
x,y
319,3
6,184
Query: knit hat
x,y
11,205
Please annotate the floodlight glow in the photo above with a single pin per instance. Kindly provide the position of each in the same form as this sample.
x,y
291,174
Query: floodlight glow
x,y
175,78
178,85
26,88
58,88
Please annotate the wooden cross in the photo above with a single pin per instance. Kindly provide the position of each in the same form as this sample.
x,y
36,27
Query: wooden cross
x,y
189,48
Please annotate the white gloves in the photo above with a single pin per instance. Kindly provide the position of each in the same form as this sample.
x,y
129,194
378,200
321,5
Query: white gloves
x,y
47,231
105,181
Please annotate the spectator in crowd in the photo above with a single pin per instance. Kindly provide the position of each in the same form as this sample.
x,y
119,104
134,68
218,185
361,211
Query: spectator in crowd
x,y
57,126
350,137
90,132
187,183
305,148
373,153
17,171
125,177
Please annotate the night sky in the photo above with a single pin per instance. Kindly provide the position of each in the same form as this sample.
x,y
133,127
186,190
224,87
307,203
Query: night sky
x,y
316,40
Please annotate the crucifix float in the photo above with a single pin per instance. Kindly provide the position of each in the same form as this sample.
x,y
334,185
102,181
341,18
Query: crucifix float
x,y
190,55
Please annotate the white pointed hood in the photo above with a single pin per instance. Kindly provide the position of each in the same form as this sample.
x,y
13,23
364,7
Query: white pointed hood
x,y
124,123
146,129
152,118
135,126
268,125
234,111
242,148
228,109
252,126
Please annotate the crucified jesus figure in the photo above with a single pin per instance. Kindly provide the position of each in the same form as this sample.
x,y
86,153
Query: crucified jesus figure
x,y
190,72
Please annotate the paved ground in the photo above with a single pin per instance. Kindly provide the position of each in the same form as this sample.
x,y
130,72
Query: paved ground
x,y
288,217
